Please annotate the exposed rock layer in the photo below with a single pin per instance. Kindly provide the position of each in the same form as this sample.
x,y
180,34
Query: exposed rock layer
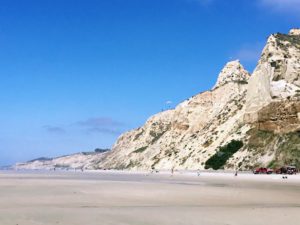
x,y
280,117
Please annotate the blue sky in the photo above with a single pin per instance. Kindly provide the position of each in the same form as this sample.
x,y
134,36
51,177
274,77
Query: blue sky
x,y
76,73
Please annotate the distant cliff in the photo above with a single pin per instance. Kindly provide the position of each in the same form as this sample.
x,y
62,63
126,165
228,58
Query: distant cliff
x,y
82,160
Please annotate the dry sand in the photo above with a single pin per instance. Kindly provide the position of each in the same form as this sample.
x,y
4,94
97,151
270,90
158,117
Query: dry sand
x,y
112,198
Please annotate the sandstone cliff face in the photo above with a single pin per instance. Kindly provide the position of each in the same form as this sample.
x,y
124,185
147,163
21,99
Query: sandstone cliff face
x,y
279,117
277,76
184,138
272,105
261,110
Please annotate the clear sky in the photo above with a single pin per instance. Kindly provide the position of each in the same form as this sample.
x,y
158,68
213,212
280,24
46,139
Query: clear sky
x,y
76,73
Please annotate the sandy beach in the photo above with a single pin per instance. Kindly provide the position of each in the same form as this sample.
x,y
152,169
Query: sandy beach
x,y
115,198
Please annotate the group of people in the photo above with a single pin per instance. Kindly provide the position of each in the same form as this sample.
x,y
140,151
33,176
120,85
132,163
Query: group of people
x,y
198,172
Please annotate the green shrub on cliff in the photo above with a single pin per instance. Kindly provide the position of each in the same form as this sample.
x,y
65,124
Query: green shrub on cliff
x,y
218,160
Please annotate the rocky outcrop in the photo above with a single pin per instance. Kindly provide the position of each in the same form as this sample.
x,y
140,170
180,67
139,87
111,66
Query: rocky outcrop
x,y
279,117
232,72
294,31
277,75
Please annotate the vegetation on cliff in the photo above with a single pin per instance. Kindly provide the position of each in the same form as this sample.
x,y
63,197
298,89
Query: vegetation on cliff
x,y
218,160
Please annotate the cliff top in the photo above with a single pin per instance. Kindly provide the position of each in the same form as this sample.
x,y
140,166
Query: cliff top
x,y
233,71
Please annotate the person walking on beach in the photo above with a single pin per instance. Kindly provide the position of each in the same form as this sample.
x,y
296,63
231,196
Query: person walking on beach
x,y
152,170
198,173
236,173
172,171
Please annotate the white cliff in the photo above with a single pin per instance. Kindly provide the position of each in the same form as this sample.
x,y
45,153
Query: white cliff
x,y
74,161
276,76
187,136
262,111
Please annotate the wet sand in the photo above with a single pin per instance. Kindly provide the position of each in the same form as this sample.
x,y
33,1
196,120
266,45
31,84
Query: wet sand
x,y
112,198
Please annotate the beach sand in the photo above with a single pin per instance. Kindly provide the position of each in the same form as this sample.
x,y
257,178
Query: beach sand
x,y
115,198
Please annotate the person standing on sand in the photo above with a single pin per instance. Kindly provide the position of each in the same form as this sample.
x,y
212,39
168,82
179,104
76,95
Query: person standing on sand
x,y
172,171
152,170
198,173
236,173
